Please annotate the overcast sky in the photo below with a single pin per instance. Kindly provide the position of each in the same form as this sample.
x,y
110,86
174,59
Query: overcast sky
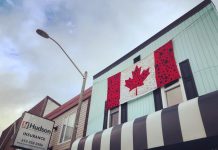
x,y
95,33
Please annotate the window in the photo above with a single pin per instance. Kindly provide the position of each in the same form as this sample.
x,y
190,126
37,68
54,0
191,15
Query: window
x,y
67,128
138,58
173,94
114,117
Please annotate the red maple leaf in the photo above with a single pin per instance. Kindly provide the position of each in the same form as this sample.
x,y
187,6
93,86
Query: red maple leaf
x,y
137,78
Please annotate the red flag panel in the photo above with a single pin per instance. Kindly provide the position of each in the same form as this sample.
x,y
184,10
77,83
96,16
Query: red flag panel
x,y
113,91
166,69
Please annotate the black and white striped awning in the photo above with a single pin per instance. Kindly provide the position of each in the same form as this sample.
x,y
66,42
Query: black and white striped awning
x,y
191,120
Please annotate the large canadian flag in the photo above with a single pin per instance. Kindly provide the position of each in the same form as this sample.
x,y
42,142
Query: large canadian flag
x,y
154,71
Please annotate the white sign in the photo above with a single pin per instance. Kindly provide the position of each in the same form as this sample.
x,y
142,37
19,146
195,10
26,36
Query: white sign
x,y
34,133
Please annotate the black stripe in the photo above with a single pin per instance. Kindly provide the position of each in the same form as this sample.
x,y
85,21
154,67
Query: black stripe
x,y
105,117
96,143
124,113
208,105
171,128
140,134
115,139
81,144
157,99
188,80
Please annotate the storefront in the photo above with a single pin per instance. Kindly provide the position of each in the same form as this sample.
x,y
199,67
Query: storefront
x,y
162,94
177,64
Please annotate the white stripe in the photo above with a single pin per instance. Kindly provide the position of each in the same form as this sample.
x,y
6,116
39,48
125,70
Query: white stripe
x,y
191,121
105,139
88,143
154,130
127,136
75,144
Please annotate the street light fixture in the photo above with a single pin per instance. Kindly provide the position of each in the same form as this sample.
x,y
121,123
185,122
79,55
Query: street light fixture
x,y
45,35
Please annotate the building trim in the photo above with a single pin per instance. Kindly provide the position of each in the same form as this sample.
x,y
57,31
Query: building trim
x,y
156,36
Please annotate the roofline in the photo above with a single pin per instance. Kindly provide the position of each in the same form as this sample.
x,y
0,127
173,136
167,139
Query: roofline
x,y
54,101
52,117
44,100
44,106
156,36
74,102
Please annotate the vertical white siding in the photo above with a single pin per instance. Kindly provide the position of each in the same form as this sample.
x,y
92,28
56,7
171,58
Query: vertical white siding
x,y
199,44
50,107
141,107
96,112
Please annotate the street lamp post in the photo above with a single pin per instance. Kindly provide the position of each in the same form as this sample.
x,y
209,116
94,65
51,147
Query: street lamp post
x,y
84,76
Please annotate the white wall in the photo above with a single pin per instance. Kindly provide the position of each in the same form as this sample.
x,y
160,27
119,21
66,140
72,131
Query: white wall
x,y
50,107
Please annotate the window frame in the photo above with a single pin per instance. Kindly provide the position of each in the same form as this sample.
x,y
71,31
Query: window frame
x,y
62,126
176,84
109,116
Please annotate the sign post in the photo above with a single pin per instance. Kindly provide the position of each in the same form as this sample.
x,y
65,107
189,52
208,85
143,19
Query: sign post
x,y
34,133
